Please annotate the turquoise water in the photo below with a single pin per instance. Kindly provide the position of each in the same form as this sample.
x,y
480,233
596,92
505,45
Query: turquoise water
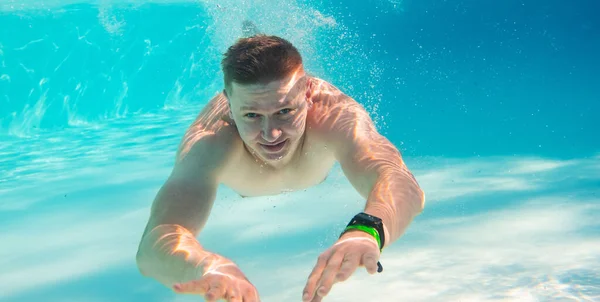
x,y
493,106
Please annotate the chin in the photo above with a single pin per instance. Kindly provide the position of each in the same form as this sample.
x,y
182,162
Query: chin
x,y
276,159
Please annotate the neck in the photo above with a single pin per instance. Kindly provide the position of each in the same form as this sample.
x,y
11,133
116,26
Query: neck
x,y
282,163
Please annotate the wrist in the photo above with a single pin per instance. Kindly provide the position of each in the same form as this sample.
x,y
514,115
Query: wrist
x,y
171,254
363,225
369,225
385,222
387,236
358,234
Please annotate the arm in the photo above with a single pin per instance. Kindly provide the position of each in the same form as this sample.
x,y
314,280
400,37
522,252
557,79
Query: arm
x,y
376,170
372,165
169,251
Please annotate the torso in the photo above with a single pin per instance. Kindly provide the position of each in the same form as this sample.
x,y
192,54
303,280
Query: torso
x,y
246,176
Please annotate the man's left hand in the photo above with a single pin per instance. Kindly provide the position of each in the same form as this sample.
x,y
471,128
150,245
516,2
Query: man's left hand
x,y
336,264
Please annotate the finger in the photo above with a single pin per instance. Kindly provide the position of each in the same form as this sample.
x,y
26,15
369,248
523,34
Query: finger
x,y
369,260
216,292
235,299
250,294
328,276
317,298
349,265
234,295
315,275
193,287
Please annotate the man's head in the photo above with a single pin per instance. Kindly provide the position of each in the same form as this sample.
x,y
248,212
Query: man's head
x,y
268,96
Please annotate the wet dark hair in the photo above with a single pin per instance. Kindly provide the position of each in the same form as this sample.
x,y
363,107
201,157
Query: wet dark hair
x,y
259,59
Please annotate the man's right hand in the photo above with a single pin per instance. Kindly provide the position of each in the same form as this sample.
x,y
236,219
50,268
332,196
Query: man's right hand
x,y
222,279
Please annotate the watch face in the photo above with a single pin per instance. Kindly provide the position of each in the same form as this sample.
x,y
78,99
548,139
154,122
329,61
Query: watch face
x,y
370,218
372,221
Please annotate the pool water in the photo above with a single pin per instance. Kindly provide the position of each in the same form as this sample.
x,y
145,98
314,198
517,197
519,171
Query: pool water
x,y
494,107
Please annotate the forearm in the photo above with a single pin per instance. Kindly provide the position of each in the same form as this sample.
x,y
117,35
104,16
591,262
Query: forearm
x,y
396,198
171,254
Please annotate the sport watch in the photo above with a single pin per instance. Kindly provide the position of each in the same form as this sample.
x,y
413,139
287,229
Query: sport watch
x,y
369,224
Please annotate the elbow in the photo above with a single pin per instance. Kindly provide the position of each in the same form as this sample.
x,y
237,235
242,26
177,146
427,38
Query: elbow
x,y
417,195
420,201
142,258
141,262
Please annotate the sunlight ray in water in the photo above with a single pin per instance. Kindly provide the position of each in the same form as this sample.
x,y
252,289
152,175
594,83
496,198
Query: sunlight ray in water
x,y
542,244
96,96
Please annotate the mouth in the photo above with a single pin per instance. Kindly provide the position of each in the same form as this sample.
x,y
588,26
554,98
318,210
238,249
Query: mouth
x,y
274,148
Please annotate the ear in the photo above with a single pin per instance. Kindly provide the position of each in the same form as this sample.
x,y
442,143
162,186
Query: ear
x,y
309,92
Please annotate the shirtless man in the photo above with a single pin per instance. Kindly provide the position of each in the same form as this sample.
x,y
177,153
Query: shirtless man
x,y
275,128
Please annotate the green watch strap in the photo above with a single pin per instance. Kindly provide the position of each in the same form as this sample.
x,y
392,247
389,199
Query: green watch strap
x,y
369,230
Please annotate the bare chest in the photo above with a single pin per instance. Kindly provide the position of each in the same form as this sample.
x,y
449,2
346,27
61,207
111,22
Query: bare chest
x,y
249,178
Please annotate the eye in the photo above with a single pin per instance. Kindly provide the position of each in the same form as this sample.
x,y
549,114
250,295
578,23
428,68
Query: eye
x,y
251,115
285,111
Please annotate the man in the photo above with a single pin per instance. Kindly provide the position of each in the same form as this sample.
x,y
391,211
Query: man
x,y
274,128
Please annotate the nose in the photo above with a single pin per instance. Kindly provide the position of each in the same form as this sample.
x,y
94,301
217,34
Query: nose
x,y
270,132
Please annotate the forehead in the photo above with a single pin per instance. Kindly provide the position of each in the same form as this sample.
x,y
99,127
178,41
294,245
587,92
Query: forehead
x,y
270,94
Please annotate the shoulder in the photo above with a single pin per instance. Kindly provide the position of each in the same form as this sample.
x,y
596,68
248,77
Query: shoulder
x,y
211,140
335,116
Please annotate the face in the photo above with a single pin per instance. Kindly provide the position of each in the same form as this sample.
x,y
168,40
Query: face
x,y
271,118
